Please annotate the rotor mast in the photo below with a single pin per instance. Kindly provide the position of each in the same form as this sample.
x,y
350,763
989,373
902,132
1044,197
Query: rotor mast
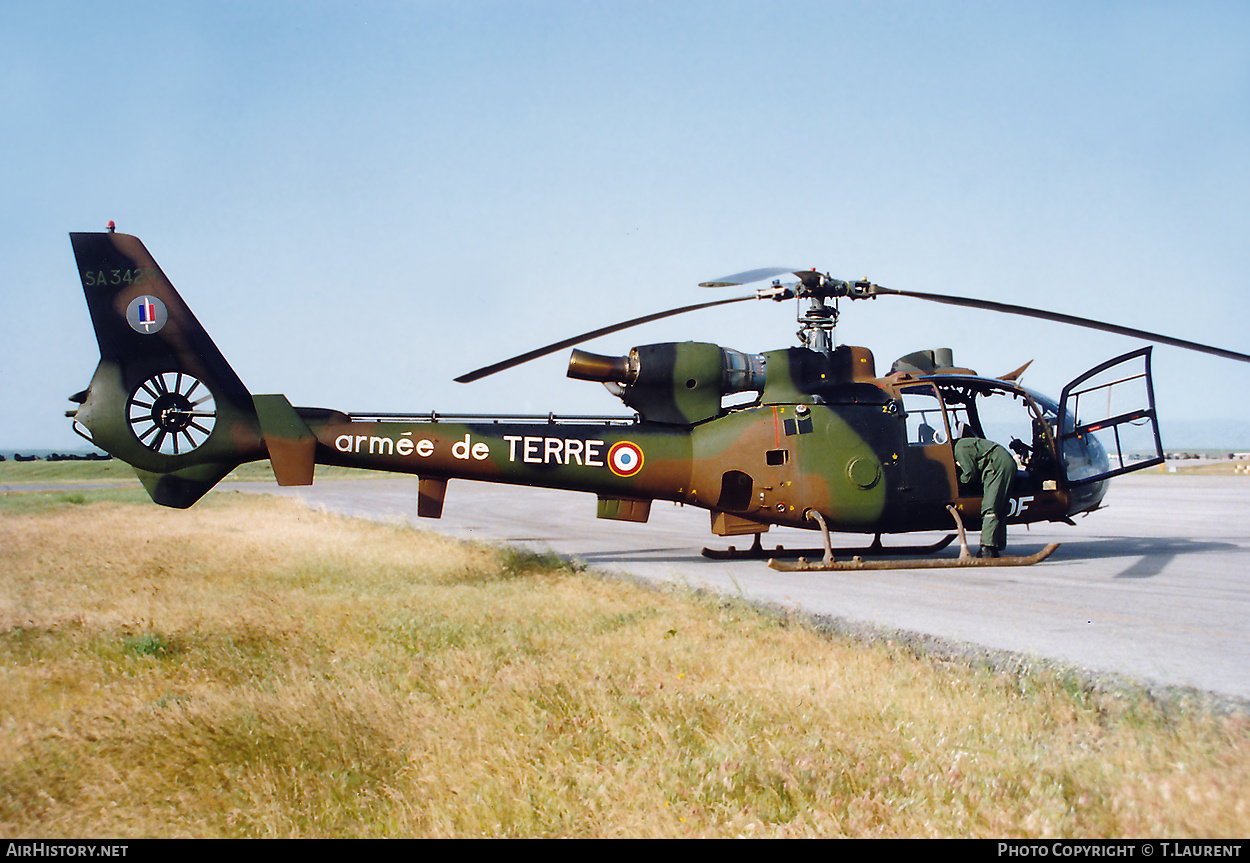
x,y
819,320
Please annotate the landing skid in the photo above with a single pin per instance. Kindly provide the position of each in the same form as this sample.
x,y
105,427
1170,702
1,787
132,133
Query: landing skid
x,y
857,563
758,552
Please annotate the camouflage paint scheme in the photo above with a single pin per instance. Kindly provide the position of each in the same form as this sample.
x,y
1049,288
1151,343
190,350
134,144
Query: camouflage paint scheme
x,y
825,434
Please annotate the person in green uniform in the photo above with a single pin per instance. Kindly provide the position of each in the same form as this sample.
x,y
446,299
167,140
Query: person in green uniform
x,y
984,460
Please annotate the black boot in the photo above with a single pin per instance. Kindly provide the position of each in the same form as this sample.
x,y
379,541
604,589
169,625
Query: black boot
x,y
987,551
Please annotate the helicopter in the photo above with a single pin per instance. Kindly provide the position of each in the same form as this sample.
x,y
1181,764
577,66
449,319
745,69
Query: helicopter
x,y
809,436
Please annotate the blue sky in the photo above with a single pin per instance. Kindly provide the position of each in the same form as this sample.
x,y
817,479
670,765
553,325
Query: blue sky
x,y
362,201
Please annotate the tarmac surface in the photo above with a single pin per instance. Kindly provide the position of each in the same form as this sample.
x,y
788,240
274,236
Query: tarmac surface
x,y
1155,587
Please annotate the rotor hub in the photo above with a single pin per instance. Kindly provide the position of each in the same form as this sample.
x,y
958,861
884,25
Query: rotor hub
x,y
172,412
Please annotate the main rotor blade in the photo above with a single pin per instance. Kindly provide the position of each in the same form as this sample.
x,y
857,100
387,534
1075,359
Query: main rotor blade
x,y
748,277
1027,312
602,331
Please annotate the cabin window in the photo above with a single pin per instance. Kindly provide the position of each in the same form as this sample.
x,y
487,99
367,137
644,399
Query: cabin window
x,y
926,421
1010,416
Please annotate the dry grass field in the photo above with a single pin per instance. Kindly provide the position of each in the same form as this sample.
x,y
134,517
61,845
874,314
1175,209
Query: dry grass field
x,y
250,668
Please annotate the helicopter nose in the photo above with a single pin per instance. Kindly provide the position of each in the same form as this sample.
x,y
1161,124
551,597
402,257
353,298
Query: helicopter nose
x,y
1084,457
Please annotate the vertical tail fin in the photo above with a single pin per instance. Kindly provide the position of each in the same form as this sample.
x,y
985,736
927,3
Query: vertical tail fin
x,y
163,398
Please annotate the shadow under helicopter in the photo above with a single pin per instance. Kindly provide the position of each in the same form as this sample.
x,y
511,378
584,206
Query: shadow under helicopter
x,y
1153,555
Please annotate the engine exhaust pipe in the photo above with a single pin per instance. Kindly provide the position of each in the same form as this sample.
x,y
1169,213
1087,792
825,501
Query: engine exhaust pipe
x,y
585,366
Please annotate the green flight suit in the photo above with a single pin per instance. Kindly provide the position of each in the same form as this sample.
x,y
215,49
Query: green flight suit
x,y
984,460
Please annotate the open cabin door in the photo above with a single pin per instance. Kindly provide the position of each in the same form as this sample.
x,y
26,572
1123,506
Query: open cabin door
x,y
1108,424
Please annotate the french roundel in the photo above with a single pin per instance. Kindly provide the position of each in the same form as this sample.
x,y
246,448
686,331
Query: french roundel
x,y
625,458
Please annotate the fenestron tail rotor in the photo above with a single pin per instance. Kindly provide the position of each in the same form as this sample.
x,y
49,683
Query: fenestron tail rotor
x,y
172,413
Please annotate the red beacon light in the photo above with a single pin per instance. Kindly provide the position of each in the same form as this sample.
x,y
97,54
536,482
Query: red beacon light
x,y
112,226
